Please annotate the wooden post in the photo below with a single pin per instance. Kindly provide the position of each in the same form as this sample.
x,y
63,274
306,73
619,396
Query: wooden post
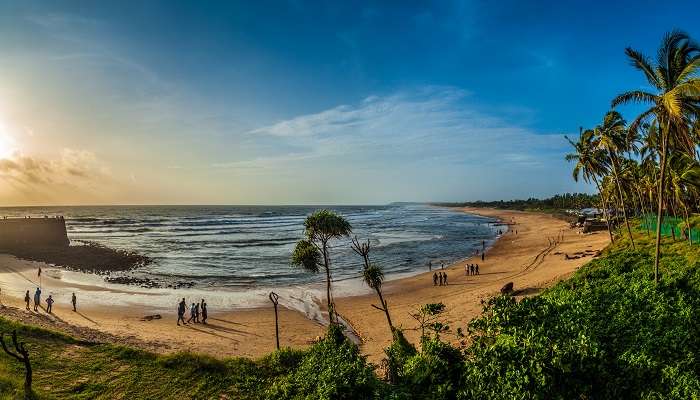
x,y
274,298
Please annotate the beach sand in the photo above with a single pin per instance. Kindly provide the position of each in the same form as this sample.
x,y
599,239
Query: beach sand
x,y
532,259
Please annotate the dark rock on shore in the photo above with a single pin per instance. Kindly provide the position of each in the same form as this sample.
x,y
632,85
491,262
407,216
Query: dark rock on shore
x,y
147,282
85,257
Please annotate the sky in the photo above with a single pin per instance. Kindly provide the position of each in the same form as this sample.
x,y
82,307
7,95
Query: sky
x,y
296,102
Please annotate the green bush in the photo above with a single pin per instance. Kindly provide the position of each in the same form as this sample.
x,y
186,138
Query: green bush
x,y
608,332
331,369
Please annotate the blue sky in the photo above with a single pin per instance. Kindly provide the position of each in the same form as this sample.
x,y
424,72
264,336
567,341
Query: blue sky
x,y
309,102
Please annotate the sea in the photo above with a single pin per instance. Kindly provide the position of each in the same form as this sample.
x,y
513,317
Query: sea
x,y
236,255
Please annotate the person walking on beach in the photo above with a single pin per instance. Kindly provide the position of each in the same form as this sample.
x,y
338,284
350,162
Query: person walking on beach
x,y
476,268
49,304
471,269
74,301
192,313
181,312
37,299
26,299
444,278
196,313
204,312
440,277
435,279
466,269
482,256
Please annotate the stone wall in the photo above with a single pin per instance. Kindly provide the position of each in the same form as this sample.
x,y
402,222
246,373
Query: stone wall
x,y
25,232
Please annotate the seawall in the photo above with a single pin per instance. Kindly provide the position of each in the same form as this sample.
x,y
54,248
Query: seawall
x,y
28,232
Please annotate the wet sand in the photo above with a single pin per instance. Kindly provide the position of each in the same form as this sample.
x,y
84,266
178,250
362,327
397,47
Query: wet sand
x,y
532,259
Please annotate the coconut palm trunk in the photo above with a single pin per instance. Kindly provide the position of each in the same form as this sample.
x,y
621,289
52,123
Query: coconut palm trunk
x,y
644,209
622,199
327,266
659,210
605,209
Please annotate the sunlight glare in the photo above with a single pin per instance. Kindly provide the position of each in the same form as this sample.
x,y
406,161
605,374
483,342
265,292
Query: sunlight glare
x,y
6,142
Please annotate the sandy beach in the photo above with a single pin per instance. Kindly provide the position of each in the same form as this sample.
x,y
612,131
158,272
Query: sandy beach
x,y
532,259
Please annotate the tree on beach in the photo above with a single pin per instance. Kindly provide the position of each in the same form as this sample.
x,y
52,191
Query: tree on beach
x,y
373,276
612,137
675,106
312,252
590,164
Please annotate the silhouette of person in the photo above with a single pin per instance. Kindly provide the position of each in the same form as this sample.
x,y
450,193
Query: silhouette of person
x,y
196,313
440,277
49,304
482,256
471,269
192,313
37,299
181,312
73,301
430,265
204,312
444,278
435,279
476,268
26,299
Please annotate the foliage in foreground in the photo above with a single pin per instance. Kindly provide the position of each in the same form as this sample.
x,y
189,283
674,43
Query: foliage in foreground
x,y
608,332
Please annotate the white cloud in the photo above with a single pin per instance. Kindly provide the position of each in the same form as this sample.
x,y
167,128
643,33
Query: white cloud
x,y
432,123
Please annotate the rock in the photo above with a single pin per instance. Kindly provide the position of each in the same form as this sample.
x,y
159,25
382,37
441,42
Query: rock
x,y
151,317
507,288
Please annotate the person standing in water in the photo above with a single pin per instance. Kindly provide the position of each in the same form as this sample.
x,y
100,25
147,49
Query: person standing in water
x,y
49,304
430,265
203,308
37,299
73,301
181,312
26,299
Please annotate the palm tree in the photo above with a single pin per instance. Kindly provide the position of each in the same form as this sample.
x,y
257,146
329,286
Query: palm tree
x,y
311,253
684,179
674,104
373,276
589,164
612,137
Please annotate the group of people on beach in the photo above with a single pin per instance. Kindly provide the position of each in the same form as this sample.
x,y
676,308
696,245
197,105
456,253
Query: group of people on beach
x,y
49,301
197,310
440,278
471,269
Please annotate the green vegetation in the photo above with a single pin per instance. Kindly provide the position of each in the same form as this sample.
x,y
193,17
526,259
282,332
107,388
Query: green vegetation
x,y
555,203
667,170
